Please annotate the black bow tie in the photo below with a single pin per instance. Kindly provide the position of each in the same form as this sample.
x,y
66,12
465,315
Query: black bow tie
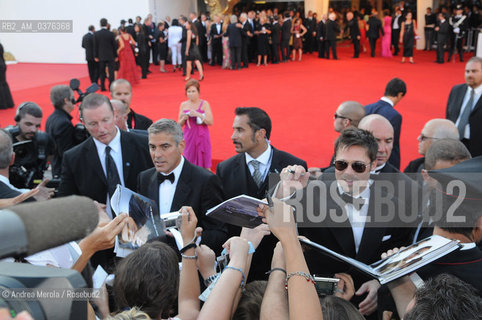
x,y
356,202
161,177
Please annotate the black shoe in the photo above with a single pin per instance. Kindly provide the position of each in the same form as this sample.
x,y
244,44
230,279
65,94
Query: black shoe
x,y
149,72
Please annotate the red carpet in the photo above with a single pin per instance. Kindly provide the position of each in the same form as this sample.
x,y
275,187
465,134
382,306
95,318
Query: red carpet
x,y
300,97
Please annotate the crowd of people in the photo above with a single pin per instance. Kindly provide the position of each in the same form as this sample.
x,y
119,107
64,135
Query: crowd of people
x,y
269,274
235,41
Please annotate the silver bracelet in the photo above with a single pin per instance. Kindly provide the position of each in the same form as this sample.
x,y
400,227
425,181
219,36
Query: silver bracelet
x,y
189,257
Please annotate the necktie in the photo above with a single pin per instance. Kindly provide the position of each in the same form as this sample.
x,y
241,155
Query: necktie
x,y
258,179
111,171
161,177
356,202
464,118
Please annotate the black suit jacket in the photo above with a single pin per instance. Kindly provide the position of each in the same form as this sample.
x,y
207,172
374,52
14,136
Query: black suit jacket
x,y
286,31
375,28
59,127
214,32
197,188
138,121
320,30
6,192
415,166
201,31
234,34
82,172
354,29
454,105
237,180
275,33
105,47
88,45
332,30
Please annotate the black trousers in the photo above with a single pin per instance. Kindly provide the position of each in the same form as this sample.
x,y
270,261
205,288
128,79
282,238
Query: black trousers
x,y
143,61
456,45
275,49
93,70
356,47
395,41
332,44
183,58
373,45
235,53
321,48
285,50
110,66
155,53
244,53
441,47
428,38
217,52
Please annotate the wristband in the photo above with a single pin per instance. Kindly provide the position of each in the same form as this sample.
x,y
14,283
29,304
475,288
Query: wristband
x,y
211,279
251,248
189,257
308,277
189,246
243,280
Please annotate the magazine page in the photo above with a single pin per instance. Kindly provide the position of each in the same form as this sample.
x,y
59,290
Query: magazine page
x,y
239,211
144,221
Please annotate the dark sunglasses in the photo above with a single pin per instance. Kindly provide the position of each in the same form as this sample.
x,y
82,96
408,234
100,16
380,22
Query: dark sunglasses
x,y
336,116
357,166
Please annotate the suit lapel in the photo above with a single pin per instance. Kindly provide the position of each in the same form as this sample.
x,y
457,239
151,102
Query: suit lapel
x,y
478,106
183,188
460,100
93,160
239,172
344,233
153,192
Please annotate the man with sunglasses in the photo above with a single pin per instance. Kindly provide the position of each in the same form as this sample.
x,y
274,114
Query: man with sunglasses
x,y
433,130
343,214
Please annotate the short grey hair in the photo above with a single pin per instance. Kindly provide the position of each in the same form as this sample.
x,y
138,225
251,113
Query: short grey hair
x,y
6,149
446,150
119,105
58,94
119,81
234,19
167,126
244,15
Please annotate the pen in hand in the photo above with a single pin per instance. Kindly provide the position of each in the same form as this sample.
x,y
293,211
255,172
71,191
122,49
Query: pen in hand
x,y
270,200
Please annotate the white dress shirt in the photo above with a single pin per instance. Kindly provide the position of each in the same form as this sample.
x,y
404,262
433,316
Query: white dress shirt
x,y
378,169
168,189
116,154
387,100
477,94
358,218
264,162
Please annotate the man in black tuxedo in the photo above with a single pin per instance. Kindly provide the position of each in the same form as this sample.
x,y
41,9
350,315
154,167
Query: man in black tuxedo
x,y
354,33
130,28
174,182
121,89
396,28
105,52
109,157
320,36
248,172
443,33
275,38
246,36
201,31
332,31
149,31
285,38
88,45
310,24
375,30
217,41
464,107
347,214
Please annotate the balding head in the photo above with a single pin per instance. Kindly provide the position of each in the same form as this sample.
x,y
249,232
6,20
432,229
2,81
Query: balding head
x,y
436,129
120,113
382,130
348,114
6,150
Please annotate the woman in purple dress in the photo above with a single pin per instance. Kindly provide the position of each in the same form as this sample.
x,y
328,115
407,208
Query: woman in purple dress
x,y
195,115
387,37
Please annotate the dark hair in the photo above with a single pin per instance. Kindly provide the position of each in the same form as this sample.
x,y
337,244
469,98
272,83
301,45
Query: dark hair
x,y
445,150
30,108
193,28
357,137
103,22
122,28
258,118
394,87
249,305
91,28
130,20
446,297
183,18
335,308
93,101
141,28
148,278
58,94
175,22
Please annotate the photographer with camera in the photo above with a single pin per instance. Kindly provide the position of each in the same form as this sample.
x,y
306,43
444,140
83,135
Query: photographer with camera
x,y
7,158
59,124
33,148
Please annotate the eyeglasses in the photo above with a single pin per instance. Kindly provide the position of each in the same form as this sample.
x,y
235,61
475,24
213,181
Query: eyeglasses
x,y
424,137
357,166
336,116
